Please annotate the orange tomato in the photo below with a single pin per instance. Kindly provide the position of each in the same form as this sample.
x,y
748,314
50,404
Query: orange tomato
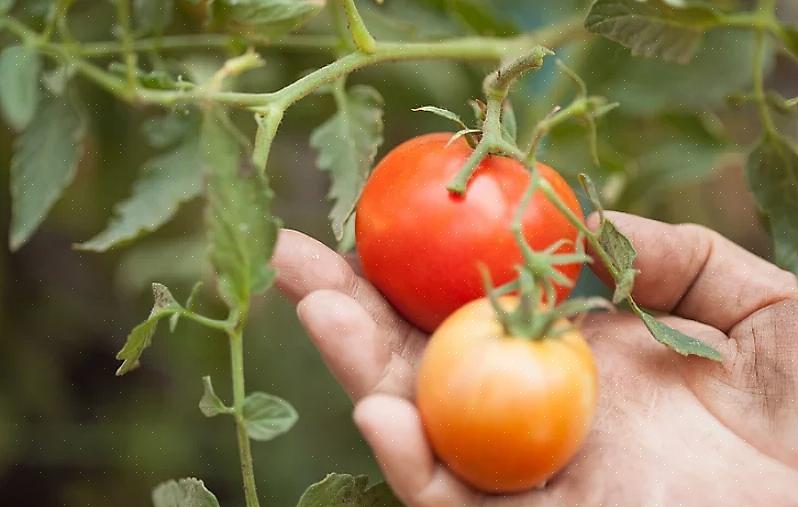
x,y
505,413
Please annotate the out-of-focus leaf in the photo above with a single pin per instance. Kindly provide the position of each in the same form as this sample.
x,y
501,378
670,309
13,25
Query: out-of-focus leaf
x,y
19,84
652,27
166,130
141,336
44,162
676,340
180,260
344,490
772,173
242,230
183,493
210,405
167,181
266,18
56,80
789,35
155,79
480,18
266,416
152,16
347,144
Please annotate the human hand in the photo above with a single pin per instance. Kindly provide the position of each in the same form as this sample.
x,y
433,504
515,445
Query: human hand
x,y
668,431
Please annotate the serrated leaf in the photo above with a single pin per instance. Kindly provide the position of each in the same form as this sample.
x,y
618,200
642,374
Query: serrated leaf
x,y
141,336
652,27
20,67
344,490
266,18
166,182
183,493
44,163
772,173
210,405
676,340
623,256
266,416
443,113
347,144
242,230
152,16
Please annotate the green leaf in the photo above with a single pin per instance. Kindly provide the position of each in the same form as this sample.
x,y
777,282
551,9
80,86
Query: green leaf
x,y
772,173
183,493
155,79
344,490
266,18
141,336
152,16
175,318
481,18
347,144
789,35
210,405
168,129
19,94
44,163
623,256
443,113
166,182
676,340
652,27
267,416
241,228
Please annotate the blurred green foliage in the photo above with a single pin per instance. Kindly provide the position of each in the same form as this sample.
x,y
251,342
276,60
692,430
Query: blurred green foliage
x,y
72,434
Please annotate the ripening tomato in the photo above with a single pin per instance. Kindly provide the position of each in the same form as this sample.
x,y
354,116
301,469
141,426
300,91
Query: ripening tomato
x,y
421,245
504,413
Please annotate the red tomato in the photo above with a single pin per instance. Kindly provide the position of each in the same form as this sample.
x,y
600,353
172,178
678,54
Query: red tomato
x,y
504,413
421,245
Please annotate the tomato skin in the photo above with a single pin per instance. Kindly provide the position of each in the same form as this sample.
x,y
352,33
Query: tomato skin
x,y
505,414
421,245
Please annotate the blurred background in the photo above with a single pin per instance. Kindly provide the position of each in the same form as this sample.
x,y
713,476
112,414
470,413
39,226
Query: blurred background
x,y
73,434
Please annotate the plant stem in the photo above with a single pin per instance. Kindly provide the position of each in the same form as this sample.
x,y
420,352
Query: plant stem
x,y
360,33
239,395
123,17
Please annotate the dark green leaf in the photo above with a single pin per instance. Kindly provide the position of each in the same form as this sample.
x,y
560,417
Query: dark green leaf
x,y
623,255
347,144
44,163
152,16
166,182
267,416
19,93
141,336
652,27
183,493
480,17
242,230
676,340
772,173
344,490
266,18
210,405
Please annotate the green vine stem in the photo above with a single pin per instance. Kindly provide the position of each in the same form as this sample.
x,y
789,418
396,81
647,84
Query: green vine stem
x,y
239,395
360,34
131,65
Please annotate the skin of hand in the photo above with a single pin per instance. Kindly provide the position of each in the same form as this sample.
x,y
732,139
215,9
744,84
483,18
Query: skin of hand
x,y
669,430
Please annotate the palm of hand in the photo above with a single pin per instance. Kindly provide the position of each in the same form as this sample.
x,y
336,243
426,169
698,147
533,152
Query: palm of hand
x,y
668,430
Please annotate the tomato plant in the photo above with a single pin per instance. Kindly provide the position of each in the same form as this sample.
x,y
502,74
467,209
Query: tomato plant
x,y
421,245
505,412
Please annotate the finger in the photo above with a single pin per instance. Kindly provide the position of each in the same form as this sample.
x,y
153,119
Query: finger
x,y
392,427
696,273
305,265
355,349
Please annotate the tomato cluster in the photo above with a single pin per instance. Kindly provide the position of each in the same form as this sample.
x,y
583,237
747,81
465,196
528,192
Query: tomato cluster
x,y
503,412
